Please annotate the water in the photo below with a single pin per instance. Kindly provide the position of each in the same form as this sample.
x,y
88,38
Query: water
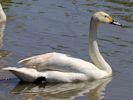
x,y
41,26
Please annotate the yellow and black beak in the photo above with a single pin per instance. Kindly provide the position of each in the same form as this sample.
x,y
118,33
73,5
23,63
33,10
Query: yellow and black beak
x,y
115,23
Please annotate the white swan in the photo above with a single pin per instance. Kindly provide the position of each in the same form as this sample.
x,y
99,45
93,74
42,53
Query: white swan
x,y
66,68
2,15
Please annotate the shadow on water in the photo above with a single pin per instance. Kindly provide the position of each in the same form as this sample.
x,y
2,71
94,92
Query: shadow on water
x,y
62,91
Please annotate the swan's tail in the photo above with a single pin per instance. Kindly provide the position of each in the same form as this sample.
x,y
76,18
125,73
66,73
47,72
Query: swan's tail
x,y
25,74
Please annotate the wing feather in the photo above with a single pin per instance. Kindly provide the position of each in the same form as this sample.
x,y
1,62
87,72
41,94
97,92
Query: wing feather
x,y
58,62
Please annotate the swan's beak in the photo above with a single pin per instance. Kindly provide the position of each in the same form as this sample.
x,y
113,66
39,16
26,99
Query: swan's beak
x,y
115,23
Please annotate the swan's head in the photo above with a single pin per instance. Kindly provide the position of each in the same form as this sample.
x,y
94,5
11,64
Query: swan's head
x,y
102,17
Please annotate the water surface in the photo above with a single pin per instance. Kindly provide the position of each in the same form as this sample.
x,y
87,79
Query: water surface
x,y
41,26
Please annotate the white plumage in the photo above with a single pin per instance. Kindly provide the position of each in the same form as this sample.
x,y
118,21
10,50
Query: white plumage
x,y
2,15
58,67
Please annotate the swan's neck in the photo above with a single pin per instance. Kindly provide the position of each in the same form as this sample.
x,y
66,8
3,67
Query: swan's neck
x,y
2,15
94,52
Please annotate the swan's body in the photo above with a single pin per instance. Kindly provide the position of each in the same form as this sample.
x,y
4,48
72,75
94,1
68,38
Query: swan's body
x,y
63,68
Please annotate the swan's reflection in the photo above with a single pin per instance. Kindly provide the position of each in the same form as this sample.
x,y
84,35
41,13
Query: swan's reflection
x,y
62,91
3,53
2,28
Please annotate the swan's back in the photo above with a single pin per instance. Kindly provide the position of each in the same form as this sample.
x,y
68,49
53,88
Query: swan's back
x,y
58,61
41,59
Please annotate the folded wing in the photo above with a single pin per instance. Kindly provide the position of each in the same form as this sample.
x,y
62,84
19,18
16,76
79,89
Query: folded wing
x,y
57,62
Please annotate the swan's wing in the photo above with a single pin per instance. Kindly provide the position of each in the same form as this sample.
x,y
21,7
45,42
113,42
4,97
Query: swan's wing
x,y
57,61
43,59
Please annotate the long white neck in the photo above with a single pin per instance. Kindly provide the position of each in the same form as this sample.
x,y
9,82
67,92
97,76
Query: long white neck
x,y
94,52
2,15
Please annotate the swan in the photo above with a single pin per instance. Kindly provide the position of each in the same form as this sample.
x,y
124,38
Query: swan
x,y
2,15
58,67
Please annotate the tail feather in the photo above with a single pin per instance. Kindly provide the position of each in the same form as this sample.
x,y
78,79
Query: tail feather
x,y
9,68
24,74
